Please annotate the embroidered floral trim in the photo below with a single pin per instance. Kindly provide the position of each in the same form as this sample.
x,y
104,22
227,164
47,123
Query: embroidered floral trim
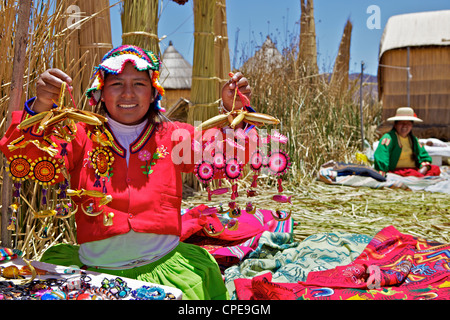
x,y
149,159
161,152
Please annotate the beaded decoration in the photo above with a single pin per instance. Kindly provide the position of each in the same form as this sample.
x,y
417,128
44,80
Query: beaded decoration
x,y
149,293
45,171
204,171
44,163
275,162
19,167
101,159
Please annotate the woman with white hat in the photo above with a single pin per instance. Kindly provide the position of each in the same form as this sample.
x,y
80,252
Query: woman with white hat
x,y
399,150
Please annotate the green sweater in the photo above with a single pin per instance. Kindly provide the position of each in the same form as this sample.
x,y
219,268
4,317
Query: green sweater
x,y
388,152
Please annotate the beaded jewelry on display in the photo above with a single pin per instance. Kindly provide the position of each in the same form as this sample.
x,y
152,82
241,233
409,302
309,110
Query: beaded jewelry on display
x,y
149,293
80,287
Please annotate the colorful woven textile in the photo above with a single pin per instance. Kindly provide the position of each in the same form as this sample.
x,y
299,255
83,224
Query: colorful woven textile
x,y
392,266
406,172
290,262
231,246
439,183
9,254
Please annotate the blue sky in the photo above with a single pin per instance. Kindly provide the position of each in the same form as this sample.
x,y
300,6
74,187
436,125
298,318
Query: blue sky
x,y
256,19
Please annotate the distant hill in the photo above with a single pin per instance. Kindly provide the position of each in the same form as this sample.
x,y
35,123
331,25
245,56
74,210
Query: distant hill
x,y
367,77
370,83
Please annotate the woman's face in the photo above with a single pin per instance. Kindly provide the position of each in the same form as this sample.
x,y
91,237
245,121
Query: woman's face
x,y
128,95
403,128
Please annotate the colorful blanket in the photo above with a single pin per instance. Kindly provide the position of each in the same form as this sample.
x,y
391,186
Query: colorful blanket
x,y
392,266
9,254
290,262
440,183
231,246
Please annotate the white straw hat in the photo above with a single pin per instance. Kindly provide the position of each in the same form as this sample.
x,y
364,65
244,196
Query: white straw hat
x,y
404,114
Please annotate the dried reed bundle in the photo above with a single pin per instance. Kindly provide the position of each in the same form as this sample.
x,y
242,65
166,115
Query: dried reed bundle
x,y
140,24
86,37
204,81
222,52
339,77
204,88
307,46
7,25
49,44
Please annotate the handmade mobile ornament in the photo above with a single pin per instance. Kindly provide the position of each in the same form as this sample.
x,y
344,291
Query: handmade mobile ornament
x,y
61,114
276,162
235,117
48,171
88,205
226,223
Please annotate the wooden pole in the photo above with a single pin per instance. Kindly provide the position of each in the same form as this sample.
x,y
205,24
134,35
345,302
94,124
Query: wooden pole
x,y
408,96
361,105
15,99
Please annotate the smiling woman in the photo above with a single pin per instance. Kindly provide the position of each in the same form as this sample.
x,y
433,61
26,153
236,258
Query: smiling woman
x,y
121,175
399,150
127,96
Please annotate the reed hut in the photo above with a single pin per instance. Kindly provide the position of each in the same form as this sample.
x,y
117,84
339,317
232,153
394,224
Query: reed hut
x,y
414,70
267,57
176,77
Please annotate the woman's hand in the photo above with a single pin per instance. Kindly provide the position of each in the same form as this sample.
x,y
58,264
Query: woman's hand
x,y
229,91
424,170
48,88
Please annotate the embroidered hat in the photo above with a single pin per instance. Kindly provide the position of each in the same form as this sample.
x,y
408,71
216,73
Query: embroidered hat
x,y
404,114
114,62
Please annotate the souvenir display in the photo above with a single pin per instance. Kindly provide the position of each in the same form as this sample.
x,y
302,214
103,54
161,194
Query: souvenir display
x,y
24,281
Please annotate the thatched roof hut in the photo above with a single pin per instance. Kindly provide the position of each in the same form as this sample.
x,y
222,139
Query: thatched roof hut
x,y
420,43
176,76
267,56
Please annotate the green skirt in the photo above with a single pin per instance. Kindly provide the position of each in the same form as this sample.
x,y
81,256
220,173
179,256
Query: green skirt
x,y
188,267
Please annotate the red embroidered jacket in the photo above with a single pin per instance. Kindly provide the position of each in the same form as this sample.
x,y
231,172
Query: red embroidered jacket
x,y
143,200
140,201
